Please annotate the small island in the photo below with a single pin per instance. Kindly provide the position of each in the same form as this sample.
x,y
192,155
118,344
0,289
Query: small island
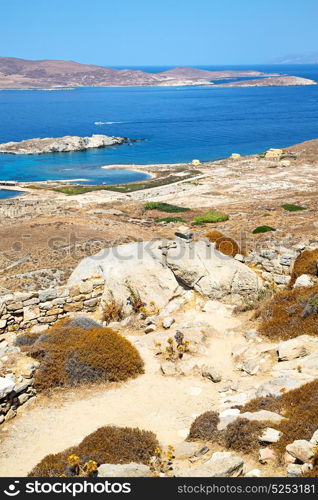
x,y
277,81
64,144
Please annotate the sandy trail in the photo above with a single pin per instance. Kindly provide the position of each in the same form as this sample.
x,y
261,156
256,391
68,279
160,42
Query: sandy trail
x,y
164,405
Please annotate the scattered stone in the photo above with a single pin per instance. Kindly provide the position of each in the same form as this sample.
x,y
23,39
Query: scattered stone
x,y
314,438
263,416
281,279
239,257
266,455
297,470
304,281
223,464
6,386
132,469
301,449
270,435
169,369
297,348
167,322
211,373
254,473
150,328
185,450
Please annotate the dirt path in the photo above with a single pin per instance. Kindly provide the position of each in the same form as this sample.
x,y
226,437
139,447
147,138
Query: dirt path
x,y
164,405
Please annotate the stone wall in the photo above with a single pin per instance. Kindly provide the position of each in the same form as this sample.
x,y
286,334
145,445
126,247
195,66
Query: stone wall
x,y
26,310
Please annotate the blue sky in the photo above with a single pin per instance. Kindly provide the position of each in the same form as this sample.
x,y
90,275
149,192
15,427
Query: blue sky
x,y
158,32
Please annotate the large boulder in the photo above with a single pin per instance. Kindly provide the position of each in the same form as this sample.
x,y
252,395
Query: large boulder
x,y
124,470
221,464
134,268
200,266
297,348
158,271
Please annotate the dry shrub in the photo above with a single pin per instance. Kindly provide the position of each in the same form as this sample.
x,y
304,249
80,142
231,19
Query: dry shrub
x,y
224,244
112,310
242,435
112,445
290,313
205,427
306,263
299,407
71,356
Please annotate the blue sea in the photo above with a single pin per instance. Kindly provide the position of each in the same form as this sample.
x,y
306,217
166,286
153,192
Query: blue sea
x,y
177,123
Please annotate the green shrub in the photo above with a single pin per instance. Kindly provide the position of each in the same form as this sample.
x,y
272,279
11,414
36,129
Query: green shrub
x,y
263,229
293,208
164,207
211,216
112,445
170,219
72,356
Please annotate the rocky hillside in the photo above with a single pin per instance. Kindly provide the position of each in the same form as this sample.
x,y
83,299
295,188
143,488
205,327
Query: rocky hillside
x,y
22,73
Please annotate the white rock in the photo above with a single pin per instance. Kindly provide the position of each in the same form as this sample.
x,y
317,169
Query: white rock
x,y
297,348
211,373
254,473
314,438
304,281
167,322
132,469
270,435
301,449
297,470
230,412
262,416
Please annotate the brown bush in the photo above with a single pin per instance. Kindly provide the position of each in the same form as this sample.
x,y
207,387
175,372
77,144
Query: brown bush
x,y
223,243
112,311
299,407
205,427
71,356
306,263
290,313
242,435
112,445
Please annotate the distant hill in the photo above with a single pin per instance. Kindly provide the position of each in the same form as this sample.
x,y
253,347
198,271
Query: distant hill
x,y
24,73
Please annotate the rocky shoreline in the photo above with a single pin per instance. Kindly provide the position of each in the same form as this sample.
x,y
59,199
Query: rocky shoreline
x,y
64,144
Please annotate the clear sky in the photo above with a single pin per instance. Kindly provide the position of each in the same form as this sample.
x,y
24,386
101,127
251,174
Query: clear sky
x,y
158,32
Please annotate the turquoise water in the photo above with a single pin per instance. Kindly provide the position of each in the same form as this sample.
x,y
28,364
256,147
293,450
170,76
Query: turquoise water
x,y
178,123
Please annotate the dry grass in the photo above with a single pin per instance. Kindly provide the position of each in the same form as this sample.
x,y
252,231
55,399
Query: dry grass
x,y
112,445
205,427
223,243
71,356
306,263
289,314
299,407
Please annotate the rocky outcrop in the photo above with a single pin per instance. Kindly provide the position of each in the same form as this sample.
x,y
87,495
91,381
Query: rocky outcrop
x,y
59,144
156,272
